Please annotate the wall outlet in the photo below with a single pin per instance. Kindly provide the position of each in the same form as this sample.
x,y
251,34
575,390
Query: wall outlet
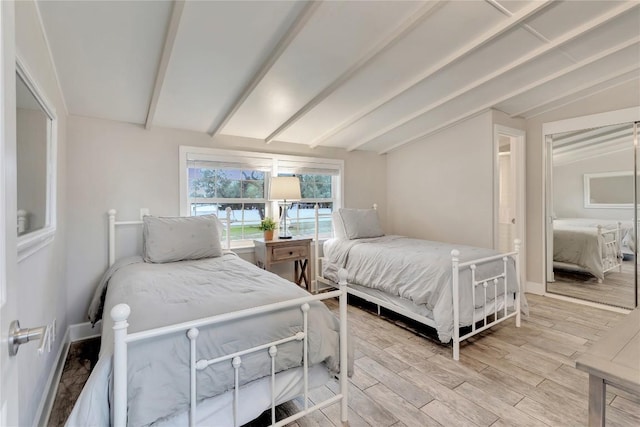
x,y
143,212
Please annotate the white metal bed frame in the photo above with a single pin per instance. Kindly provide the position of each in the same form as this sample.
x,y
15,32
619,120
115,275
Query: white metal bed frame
x,y
610,251
456,266
120,314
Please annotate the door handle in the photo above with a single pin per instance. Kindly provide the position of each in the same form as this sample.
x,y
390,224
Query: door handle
x,y
18,335
513,220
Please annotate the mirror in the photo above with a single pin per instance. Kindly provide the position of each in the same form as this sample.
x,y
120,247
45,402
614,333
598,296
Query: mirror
x,y
591,222
35,165
608,190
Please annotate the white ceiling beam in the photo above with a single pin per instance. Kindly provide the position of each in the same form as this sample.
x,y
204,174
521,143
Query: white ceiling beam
x,y
595,138
606,148
584,136
169,41
514,93
282,45
536,53
527,27
402,30
632,72
474,45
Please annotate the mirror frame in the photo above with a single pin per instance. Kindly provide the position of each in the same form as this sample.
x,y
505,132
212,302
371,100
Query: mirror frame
x,y
30,243
627,115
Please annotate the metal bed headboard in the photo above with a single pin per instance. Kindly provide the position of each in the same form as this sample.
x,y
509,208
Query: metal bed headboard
x,y
113,223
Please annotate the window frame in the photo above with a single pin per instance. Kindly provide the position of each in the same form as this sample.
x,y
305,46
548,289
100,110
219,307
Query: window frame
x,y
188,153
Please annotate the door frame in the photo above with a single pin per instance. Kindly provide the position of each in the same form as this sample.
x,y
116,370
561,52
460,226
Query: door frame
x,y
518,150
9,395
627,115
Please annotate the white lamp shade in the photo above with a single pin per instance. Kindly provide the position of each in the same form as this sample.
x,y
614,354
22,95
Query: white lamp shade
x,y
285,188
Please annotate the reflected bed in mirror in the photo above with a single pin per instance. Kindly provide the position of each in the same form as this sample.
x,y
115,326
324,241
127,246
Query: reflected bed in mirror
x,y
35,165
591,232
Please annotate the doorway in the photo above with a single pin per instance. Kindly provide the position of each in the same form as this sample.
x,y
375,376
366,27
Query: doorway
x,y
509,187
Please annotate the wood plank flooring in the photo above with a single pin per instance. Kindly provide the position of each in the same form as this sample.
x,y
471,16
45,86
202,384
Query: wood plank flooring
x,y
617,288
507,376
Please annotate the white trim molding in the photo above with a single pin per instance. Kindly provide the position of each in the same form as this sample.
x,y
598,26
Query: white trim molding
x,y
30,243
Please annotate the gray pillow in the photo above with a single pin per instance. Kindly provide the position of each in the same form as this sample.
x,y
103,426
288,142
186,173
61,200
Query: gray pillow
x,y
168,239
360,223
338,226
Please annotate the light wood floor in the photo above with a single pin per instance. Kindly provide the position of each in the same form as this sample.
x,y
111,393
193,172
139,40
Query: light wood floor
x,y
506,377
617,288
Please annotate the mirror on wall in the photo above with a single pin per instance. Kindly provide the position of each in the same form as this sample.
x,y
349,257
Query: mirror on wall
x,y
608,190
35,165
591,251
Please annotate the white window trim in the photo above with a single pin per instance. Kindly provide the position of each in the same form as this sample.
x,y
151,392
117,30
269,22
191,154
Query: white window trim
x,y
271,207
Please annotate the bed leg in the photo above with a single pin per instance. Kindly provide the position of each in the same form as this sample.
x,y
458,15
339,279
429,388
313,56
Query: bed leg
x,y
378,310
456,350
344,363
120,314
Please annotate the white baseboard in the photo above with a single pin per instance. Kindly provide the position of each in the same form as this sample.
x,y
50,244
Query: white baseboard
x,y
77,332
83,331
588,303
535,288
46,404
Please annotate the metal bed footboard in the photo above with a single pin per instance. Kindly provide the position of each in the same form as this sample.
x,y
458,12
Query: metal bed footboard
x,y
120,314
497,316
610,248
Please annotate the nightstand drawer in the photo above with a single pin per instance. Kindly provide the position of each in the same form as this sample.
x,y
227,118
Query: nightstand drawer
x,y
290,252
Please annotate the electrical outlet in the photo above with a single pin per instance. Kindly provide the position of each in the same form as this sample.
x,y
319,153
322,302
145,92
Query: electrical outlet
x,y
144,212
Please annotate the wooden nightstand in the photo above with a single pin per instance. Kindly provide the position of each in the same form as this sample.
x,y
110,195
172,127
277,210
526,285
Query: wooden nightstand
x,y
277,251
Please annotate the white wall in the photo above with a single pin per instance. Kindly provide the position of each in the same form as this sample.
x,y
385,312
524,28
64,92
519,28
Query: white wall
x,y
123,166
623,96
441,188
568,186
41,277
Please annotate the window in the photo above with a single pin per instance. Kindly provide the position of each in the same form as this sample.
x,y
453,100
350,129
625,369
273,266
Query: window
x,y
214,180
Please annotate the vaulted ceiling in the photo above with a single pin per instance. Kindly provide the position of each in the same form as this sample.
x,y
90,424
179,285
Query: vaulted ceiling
x,y
357,75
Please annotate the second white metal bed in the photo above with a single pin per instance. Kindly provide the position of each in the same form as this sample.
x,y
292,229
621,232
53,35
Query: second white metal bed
x,y
488,312
589,246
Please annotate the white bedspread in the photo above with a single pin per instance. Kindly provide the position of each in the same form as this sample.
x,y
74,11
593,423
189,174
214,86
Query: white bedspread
x,y
417,270
164,294
576,241
627,239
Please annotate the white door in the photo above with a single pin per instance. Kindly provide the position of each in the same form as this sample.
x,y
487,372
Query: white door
x,y
509,190
8,234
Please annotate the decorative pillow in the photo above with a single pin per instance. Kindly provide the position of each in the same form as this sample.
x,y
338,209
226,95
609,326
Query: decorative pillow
x,y
360,223
168,239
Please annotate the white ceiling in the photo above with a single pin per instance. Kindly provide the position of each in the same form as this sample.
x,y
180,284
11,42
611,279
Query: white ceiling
x,y
357,75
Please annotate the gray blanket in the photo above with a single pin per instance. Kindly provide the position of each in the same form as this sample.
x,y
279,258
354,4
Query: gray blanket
x,y
417,270
164,294
581,246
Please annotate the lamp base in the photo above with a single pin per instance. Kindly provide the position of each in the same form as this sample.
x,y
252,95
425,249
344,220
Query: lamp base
x,y
284,237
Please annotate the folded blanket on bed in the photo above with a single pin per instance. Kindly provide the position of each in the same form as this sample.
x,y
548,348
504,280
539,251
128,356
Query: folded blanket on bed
x,y
165,294
419,271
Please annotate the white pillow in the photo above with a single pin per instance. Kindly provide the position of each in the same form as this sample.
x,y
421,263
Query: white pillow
x,y
169,239
360,223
